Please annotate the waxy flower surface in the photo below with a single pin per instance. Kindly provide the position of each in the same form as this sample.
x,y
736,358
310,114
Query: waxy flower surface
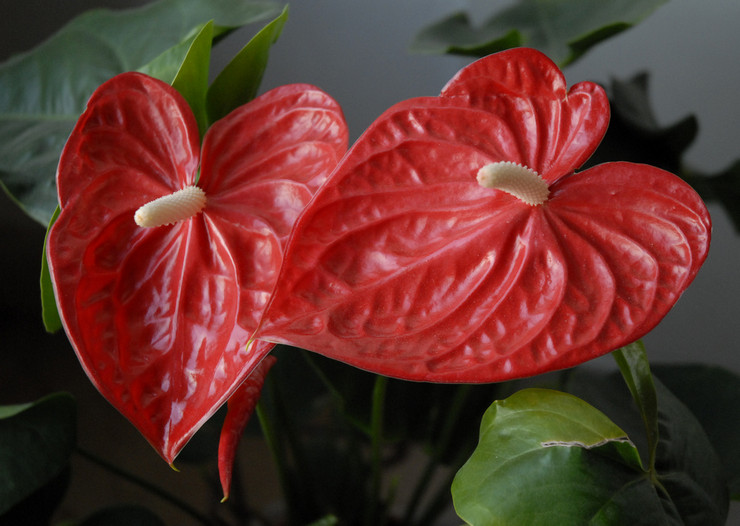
x,y
457,242
159,300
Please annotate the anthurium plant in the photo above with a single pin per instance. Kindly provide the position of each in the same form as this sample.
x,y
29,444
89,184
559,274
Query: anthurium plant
x,y
217,252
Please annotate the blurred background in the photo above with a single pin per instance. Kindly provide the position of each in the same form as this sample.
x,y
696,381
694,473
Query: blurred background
x,y
357,52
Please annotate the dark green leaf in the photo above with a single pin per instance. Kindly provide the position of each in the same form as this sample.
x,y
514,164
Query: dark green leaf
x,y
723,187
712,394
634,133
49,311
126,515
548,458
239,81
43,92
633,363
38,508
36,441
562,29
686,464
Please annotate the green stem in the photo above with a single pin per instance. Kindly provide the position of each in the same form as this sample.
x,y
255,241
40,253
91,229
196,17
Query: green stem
x,y
274,443
376,436
145,484
445,437
335,393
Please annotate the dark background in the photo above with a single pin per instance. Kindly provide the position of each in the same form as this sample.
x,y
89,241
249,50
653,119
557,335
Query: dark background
x,y
356,51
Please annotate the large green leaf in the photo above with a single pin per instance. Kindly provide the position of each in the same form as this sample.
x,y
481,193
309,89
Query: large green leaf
x,y
44,91
36,441
712,394
562,29
548,458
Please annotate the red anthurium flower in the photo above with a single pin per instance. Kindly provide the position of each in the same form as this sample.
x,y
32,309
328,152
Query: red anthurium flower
x,y
164,255
456,242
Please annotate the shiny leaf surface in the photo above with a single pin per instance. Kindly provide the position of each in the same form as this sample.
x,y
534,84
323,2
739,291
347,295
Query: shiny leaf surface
x,y
404,265
160,317
549,458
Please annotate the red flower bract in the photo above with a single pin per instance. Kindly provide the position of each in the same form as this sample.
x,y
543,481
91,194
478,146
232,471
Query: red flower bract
x,y
405,265
160,317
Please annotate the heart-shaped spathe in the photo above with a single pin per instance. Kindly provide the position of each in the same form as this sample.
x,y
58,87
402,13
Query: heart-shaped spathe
x,y
403,264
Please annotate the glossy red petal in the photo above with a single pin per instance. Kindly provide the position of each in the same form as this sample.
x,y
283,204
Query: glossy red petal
x,y
160,317
140,127
240,408
405,266
552,130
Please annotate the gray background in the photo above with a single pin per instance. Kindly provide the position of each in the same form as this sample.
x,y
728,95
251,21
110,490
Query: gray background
x,y
356,50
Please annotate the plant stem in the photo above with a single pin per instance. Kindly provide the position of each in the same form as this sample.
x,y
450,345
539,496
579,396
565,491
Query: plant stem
x,y
445,436
145,484
376,434
270,435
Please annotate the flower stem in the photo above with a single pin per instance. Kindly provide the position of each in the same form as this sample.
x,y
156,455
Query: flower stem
x,y
376,434
145,484
445,437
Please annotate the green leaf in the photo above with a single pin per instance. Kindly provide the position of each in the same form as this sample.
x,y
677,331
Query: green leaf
x,y
38,508
191,80
712,394
43,92
562,29
239,81
49,311
124,515
633,363
548,458
36,441
687,468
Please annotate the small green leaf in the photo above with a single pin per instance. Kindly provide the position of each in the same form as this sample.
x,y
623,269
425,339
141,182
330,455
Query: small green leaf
x,y
36,441
49,311
192,77
548,458
43,92
562,29
633,363
239,81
